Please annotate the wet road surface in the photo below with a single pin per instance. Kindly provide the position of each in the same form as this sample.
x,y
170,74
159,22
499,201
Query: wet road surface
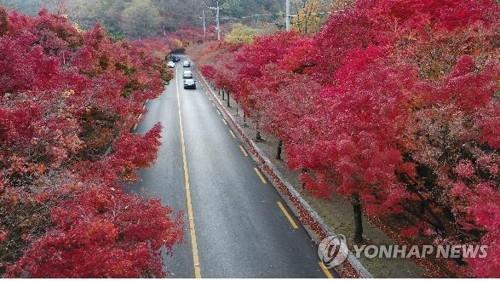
x,y
235,222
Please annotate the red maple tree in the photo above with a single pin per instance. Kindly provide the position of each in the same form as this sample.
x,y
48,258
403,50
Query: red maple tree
x,y
393,105
68,100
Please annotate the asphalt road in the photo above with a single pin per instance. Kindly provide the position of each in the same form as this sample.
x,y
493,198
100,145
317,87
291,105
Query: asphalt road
x,y
235,225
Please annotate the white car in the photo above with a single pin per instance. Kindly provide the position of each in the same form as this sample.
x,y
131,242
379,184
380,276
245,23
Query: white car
x,y
171,64
187,74
186,63
189,84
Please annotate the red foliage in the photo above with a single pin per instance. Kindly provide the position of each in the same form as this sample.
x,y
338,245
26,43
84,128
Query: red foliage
x,y
102,232
252,62
394,101
132,152
68,100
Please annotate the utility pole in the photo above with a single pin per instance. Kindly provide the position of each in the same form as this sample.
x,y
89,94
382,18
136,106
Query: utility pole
x,y
204,26
218,21
287,19
217,13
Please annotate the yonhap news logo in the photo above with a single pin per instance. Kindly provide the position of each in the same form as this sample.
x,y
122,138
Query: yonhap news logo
x,y
333,251
421,251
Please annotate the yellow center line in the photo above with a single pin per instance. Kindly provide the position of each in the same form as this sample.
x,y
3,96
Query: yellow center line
x,y
232,134
287,215
192,230
325,270
243,151
262,178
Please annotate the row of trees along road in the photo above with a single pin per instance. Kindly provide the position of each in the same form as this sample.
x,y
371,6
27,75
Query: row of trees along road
x,y
68,100
393,105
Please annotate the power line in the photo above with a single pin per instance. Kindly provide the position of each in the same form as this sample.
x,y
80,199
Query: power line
x,y
218,17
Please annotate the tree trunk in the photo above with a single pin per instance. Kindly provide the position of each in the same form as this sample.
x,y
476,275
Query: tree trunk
x,y
228,100
258,136
358,218
279,150
303,171
244,120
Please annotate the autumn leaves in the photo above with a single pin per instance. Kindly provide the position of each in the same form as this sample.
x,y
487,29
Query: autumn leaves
x,y
387,105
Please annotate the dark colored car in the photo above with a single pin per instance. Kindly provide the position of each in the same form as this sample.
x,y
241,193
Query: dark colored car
x,y
175,59
189,84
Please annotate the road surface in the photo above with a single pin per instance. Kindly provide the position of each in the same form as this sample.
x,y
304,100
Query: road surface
x,y
235,222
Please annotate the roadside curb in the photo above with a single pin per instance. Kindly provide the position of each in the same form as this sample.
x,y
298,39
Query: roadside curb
x,y
314,225
139,117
